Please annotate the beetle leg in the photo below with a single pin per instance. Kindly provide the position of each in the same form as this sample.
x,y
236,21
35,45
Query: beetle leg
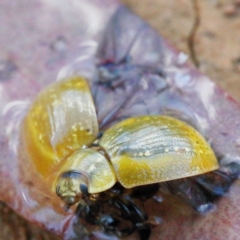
x,y
117,213
121,206
140,219
114,225
135,213
89,213
145,192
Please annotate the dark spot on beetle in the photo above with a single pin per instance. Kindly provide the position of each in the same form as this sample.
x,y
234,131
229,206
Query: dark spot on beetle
x,y
87,130
7,68
100,134
84,189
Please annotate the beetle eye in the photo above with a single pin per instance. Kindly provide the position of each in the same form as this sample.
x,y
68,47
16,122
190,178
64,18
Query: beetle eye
x,y
68,187
84,189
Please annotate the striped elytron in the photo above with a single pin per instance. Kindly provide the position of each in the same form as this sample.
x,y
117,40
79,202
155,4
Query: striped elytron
x,y
61,126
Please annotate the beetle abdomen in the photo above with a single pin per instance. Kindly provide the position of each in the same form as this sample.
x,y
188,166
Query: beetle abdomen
x,y
152,149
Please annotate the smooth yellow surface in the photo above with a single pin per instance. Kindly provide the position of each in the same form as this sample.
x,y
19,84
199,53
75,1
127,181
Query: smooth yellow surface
x,y
151,149
61,120
94,166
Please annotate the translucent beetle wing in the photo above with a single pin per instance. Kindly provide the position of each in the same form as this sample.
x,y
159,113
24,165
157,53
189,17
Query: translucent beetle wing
x,y
94,166
151,149
61,120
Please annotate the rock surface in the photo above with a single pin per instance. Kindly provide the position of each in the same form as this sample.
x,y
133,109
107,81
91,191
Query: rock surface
x,y
208,31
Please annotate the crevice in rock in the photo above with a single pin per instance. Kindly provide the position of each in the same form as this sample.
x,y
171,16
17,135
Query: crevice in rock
x,y
192,35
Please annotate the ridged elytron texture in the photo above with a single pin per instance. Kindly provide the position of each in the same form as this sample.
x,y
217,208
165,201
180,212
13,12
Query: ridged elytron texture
x,y
61,120
152,149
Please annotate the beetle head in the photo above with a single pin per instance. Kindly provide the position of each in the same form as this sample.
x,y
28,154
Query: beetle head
x,y
69,187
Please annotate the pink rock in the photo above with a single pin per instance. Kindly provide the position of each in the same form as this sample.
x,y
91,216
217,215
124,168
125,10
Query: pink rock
x,y
131,71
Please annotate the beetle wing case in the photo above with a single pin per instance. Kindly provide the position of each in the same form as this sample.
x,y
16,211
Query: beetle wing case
x,y
55,127
152,149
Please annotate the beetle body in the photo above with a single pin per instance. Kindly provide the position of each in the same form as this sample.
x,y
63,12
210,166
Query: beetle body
x,y
61,125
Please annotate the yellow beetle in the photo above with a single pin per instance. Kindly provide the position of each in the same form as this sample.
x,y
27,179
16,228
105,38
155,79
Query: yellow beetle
x,y
61,126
